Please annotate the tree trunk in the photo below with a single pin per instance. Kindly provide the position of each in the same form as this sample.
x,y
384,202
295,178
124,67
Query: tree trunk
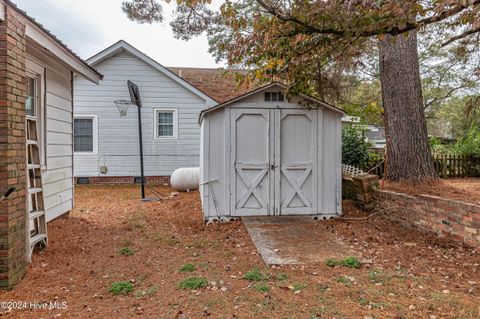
x,y
408,151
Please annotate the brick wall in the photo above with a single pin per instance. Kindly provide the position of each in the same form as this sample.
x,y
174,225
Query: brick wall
x,y
359,188
12,148
446,218
112,180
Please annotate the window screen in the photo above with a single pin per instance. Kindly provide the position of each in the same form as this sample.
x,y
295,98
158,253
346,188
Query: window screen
x,y
83,135
30,97
165,124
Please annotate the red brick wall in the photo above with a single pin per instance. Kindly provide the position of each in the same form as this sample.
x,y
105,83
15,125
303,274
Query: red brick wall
x,y
111,180
12,148
360,189
447,218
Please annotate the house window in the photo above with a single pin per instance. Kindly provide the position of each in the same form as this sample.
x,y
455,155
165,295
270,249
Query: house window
x,y
274,97
30,103
35,104
166,123
85,134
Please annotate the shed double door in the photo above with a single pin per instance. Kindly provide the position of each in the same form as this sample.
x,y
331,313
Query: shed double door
x,y
274,162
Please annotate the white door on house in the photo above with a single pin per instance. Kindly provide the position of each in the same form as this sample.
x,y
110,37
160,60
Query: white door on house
x,y
274,156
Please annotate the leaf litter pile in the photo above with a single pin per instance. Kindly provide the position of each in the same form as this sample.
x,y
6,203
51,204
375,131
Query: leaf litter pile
x,y
117,257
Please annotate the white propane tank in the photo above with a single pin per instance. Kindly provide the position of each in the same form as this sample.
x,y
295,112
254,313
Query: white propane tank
x,y
185,178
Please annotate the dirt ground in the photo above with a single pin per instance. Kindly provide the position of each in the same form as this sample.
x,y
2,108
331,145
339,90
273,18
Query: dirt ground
x,y
463,189
404,274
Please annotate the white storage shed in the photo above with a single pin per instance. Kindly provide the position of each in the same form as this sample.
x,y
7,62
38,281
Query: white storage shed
x,y
261,155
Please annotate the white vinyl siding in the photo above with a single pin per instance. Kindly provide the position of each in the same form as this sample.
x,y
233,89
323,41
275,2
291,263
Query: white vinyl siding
x,y
56,95
118,146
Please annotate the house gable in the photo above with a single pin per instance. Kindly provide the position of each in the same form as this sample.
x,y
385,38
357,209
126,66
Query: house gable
x,y
122,46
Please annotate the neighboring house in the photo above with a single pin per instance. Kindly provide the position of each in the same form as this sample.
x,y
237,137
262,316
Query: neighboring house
x,y
374,134
36,83
106,144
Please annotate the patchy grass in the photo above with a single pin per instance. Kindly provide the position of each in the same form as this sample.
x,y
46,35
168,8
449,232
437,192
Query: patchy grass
x,y
344,280
188,268
281,277
121,288
261,287
146,293
299,286
126,251
256,275
224,253
193,283
349,262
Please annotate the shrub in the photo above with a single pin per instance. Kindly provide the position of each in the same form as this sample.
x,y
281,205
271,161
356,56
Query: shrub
x,y
470,143
193,283
188,268
354,147
121,288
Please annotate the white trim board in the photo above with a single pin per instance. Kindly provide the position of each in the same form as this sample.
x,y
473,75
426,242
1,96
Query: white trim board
x,y
125,46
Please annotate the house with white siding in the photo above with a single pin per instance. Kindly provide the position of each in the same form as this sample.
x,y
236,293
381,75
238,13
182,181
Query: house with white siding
x,y
107,145
36,134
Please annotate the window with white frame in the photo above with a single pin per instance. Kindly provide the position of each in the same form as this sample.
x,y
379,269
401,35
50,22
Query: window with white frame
x,y
166,123
85,134
35,104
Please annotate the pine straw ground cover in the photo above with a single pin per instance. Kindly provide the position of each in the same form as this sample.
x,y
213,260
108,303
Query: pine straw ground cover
x,y
462,189
116,257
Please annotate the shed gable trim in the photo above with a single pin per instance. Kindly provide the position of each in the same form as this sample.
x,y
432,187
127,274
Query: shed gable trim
x,y
125,46
266,87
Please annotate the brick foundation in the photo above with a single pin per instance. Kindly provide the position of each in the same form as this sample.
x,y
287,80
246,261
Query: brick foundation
x,y
446,218
13,233
112,180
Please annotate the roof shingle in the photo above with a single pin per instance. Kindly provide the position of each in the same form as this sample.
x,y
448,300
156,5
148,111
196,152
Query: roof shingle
x,y
219,84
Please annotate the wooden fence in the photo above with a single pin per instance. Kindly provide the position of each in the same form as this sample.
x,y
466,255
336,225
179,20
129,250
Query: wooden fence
x,y
447,166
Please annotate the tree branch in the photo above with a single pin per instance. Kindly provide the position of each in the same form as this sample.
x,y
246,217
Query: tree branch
x,y
309,28
461,36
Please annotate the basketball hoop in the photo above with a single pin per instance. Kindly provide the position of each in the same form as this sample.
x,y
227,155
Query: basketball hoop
x,y
122,106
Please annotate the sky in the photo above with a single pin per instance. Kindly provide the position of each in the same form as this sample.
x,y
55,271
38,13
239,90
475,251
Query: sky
x,y
89,26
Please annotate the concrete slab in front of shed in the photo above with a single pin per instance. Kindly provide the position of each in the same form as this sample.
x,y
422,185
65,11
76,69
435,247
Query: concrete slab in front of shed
x,y
290,240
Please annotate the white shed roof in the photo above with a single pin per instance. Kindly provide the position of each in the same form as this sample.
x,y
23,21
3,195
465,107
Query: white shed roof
x,y
125,46
265,87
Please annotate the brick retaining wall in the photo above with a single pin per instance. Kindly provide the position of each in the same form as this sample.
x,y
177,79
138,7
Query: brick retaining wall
x,y
445,217
360,188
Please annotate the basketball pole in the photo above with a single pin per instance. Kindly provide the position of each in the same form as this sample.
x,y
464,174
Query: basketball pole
x,y
142,173
135,98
